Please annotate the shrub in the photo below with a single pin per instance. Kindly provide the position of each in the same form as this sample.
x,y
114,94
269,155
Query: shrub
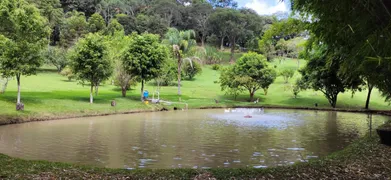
x,y
191,69
216,67
67,72
287,74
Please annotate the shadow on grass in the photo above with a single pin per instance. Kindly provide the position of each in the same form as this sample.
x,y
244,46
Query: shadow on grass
x,y
40,97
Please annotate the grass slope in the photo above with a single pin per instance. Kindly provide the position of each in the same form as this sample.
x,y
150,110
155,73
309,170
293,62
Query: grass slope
x,y
49,95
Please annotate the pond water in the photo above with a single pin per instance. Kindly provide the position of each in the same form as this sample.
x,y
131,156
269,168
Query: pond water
x,y
188,139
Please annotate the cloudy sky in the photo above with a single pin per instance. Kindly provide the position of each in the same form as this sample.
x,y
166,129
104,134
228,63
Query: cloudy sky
x,y
265,6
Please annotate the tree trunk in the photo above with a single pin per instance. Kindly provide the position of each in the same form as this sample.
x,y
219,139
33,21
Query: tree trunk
x,y
370,87
251,96
123,88
334,101
265,91
96,89
142,90
179,73
91,94
202,40
233,44
222,44
18,81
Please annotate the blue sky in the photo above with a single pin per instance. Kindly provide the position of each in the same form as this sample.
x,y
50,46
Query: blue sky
x,y
265,6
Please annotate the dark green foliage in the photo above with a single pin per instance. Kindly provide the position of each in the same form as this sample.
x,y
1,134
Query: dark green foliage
x,y
74,27
216,67
191,69
96,23
321,74
360,36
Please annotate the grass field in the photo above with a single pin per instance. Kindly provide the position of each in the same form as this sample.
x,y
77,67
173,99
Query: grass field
x,y
48,94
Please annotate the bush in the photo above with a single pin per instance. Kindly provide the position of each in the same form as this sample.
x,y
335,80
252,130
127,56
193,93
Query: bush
x,y
191,69
168,73
67,72
287,74
216,67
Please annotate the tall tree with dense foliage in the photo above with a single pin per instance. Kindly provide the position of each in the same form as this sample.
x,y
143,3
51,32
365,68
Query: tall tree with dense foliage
x,y
321,74
144,57
90,61
23,35
250,72
200,13
96,23
181,42
230,23
361,36
74,27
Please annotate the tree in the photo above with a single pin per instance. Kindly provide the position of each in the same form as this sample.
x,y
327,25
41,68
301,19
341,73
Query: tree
x,y
67,72
88,7
90,61
230,23
268,77
168,10
123,79
321,74
74,27
181,42
250,72
114,26
287,74
361,36
144,57
191,69
299,86
230,83
57,57
96,23
200,13
23,35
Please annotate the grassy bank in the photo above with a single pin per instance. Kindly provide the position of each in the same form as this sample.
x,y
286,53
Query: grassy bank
x,y
48,95
364,159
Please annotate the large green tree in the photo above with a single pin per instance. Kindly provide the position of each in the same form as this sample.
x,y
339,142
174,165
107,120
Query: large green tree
x,y
251,72
96,23
321,73
74,27
359,29
23,35
144,57
90,61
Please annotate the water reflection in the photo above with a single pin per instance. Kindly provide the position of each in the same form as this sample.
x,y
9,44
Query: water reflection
x,y
190,139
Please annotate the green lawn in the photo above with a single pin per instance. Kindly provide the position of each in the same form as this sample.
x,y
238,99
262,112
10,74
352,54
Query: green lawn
x,y
49,95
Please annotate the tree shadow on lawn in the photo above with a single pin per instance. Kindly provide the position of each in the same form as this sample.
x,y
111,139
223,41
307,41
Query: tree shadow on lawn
x,y
39,97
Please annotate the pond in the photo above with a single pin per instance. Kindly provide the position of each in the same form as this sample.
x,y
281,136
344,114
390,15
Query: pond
x,y
189,139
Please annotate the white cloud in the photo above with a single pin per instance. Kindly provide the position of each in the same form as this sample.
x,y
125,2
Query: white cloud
x,y
262,7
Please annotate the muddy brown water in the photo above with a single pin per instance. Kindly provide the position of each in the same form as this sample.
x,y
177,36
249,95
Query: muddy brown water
x,y
189,139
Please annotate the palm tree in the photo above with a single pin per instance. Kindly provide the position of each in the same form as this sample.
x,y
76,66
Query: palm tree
x,y
181,42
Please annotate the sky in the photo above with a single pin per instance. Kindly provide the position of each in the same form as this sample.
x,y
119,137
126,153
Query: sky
x,y
265,7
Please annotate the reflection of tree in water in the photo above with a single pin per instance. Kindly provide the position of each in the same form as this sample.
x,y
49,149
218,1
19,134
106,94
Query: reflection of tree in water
x,y
93,150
